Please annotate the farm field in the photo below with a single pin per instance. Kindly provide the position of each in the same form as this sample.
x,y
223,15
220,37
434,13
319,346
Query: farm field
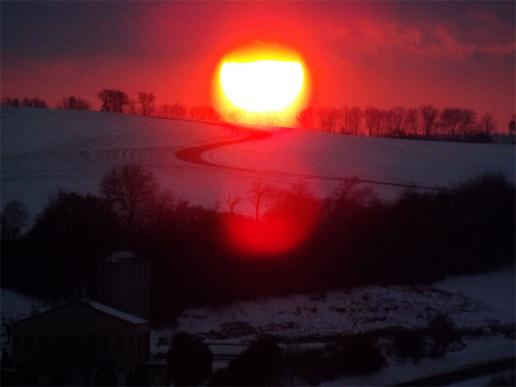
x,y
44,151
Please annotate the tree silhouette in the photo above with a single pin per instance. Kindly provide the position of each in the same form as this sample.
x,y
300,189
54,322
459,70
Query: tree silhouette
x,y
113,100
260,194
204,113
429,116
450,120
467,122
73,103
13,102
34,102
487,124
14,219
232,202
512,125
352,120
189,360
373,120
173,111
132,191
397,118
329,119
411,121
146,101
308,118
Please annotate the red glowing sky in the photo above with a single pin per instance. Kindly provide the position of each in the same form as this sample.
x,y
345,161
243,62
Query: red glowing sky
x,y
384,54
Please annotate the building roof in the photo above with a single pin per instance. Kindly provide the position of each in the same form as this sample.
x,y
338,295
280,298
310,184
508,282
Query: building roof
x,y
130,318
122,256
97,306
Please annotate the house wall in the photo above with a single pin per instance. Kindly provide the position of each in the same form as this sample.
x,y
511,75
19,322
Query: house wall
x,y
77,335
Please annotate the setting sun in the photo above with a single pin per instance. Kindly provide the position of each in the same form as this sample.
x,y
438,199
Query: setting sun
x,y
262,85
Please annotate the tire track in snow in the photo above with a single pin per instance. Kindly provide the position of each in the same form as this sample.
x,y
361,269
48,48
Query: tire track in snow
x,y
194,155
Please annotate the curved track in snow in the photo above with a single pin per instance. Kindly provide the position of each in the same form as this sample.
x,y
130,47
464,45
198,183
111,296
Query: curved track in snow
x,y
194,154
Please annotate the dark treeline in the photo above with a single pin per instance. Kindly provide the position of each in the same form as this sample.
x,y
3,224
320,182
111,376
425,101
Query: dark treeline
x,y
424,122
145,104
24,102
117,101
74,103
359,240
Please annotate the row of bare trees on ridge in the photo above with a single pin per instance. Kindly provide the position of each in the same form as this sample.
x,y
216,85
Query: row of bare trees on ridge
x,y
425,121
117,101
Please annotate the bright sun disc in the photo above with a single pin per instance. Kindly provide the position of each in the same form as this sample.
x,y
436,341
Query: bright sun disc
x,y
262,85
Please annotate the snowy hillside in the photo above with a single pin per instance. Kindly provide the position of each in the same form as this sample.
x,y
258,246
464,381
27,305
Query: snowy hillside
x,y
47,150
361,309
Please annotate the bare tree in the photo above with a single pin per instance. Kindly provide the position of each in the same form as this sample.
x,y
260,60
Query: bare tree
x,y
113,100
467,121
74,103
147,102
260,194
344,123
512,125
411,121
232,202
487,124
308,118
351,191
329,119
13,102
132,106
173,111
449,120
205,113
132,191
429,115
397,120
373,120
384,123
354,119
14,219
351,117
34,102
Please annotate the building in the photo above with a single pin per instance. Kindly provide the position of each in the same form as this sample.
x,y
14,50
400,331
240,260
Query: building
x,y
124,283
80,337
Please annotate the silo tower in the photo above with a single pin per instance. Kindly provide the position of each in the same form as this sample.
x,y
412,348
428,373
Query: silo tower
x,y
124,283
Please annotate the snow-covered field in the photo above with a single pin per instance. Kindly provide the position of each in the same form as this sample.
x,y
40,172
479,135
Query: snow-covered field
x,y
43,151
470,301
480,301
486,300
